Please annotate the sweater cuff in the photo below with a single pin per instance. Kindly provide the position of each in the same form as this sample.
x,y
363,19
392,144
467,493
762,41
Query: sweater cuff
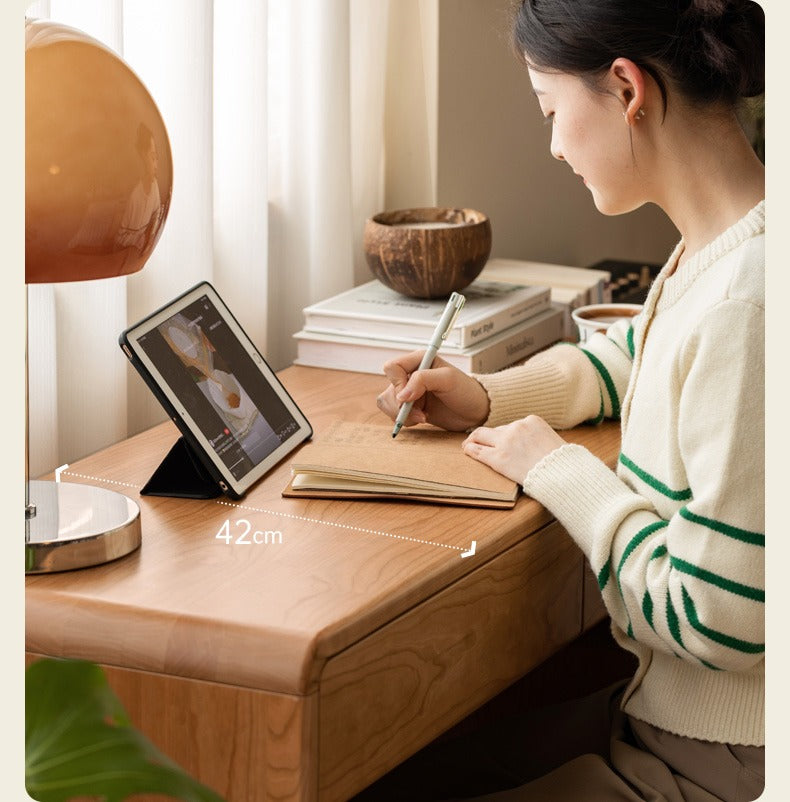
x,y
538,387
582,493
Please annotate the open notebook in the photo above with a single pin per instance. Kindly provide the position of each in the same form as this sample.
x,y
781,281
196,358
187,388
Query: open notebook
x,y
356,460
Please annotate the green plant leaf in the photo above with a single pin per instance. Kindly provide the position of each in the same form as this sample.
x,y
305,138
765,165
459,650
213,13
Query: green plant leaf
x,y
79,741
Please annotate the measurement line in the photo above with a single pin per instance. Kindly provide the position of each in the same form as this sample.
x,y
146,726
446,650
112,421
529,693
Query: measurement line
x,y
99,479
350,527
339,525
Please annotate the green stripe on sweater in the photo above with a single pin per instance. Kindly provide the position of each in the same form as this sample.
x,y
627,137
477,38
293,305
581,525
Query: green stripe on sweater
x,y
647,609
596,421
629,338
619,347
744,535
676,495
718,637
673,622
603,576
635,541
629,549
607,380
593,421
746,591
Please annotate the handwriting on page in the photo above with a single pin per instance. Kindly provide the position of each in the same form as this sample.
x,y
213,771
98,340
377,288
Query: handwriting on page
x,y
343,433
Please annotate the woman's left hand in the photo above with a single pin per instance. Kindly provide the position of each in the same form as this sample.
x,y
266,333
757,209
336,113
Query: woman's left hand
x,y
514,449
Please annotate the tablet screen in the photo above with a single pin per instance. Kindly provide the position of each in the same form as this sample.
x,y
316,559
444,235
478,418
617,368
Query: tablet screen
x,y
201,360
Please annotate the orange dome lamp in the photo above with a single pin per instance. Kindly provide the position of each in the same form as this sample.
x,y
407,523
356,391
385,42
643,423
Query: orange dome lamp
x,y
98,183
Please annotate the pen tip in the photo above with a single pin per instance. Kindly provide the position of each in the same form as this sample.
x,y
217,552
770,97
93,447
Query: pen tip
x,y
395,430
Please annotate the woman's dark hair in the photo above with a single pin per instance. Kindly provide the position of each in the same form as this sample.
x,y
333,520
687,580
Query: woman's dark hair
x,y
712,51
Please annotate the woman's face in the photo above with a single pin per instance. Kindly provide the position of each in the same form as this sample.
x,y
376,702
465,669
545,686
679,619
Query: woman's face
x,y
590,133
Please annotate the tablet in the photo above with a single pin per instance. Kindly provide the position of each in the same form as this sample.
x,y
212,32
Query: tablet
x,y
232,410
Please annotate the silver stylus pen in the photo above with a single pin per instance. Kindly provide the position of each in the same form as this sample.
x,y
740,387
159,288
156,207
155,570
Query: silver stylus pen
x,y
440,332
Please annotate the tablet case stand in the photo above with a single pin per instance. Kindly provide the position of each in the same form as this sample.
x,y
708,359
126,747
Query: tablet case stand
x,y
181,475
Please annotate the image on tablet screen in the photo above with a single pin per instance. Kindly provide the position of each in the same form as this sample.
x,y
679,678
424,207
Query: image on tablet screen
x,y
222,389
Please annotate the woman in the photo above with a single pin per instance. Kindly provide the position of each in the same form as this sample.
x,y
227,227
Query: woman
x,y
641,96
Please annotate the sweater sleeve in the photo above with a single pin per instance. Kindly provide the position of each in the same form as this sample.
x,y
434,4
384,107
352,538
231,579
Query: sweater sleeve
x,y
567,384
692,583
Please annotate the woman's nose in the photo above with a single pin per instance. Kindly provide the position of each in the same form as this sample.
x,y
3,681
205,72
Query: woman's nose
x,y
555,148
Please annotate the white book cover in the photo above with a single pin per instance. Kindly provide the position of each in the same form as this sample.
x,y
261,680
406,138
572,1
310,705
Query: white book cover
x,y
591,282
375,311
366,355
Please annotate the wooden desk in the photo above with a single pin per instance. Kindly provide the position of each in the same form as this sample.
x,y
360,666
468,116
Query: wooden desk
x,y
305,669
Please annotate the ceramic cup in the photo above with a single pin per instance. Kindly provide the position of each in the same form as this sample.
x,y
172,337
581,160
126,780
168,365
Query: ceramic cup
x,y
598,317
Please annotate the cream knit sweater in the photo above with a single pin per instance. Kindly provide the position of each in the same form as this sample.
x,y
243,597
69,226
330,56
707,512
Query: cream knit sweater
x,y
676,535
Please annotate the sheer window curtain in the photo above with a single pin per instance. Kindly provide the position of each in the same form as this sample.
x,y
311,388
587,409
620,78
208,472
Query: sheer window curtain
x,y
290,122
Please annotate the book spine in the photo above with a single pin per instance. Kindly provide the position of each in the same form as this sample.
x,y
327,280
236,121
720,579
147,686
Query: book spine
x,y
418,334
369,357
521,344
370,329
357,358
569,331
599,291
502,320
590,282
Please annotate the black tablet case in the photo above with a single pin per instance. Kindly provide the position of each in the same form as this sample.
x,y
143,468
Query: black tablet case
x,y
181,474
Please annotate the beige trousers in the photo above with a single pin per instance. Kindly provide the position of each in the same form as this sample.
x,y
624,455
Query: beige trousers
x,y
585,750
646,763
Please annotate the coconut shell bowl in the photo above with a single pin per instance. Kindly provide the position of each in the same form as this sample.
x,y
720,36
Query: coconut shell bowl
x,y
427,253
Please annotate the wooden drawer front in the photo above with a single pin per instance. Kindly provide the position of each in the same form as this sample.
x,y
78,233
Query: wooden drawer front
x,y
387,696
248,745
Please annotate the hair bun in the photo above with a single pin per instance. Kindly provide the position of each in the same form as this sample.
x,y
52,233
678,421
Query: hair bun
x,y
725,43
708,9
708,51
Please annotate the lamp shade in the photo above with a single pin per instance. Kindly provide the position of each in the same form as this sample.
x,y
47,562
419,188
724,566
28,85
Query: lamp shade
x,y
98,167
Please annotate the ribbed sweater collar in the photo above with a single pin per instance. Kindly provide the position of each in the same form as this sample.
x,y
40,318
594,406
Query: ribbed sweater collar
x,y
671,287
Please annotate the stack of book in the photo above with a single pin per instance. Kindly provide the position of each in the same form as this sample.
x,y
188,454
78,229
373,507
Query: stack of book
x,y
571,287
359,330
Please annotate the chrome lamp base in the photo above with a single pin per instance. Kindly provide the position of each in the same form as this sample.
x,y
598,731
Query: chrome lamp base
x,y
71,525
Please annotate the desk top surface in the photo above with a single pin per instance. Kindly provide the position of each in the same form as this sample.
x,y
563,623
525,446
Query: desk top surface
x,y
265,615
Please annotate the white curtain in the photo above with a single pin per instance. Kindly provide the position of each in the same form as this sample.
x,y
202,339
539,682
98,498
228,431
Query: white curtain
x,y
290,123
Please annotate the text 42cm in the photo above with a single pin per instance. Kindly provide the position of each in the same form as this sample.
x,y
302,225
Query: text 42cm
x,y
244,535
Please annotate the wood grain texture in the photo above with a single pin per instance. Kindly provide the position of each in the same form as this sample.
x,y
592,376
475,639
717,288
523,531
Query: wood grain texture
x,y
386,697
263,616
363,630
249,746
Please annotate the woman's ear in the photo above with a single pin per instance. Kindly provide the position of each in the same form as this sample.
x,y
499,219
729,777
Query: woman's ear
x,y
627,82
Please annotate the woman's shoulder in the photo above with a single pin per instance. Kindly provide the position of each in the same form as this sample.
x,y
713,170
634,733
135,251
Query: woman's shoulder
x,y
747,271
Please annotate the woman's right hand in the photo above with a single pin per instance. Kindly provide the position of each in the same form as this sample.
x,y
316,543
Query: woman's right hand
x,y
443,395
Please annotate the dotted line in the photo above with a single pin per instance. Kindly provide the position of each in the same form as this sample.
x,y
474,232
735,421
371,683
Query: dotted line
x,y
99,479
340,526
287,515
